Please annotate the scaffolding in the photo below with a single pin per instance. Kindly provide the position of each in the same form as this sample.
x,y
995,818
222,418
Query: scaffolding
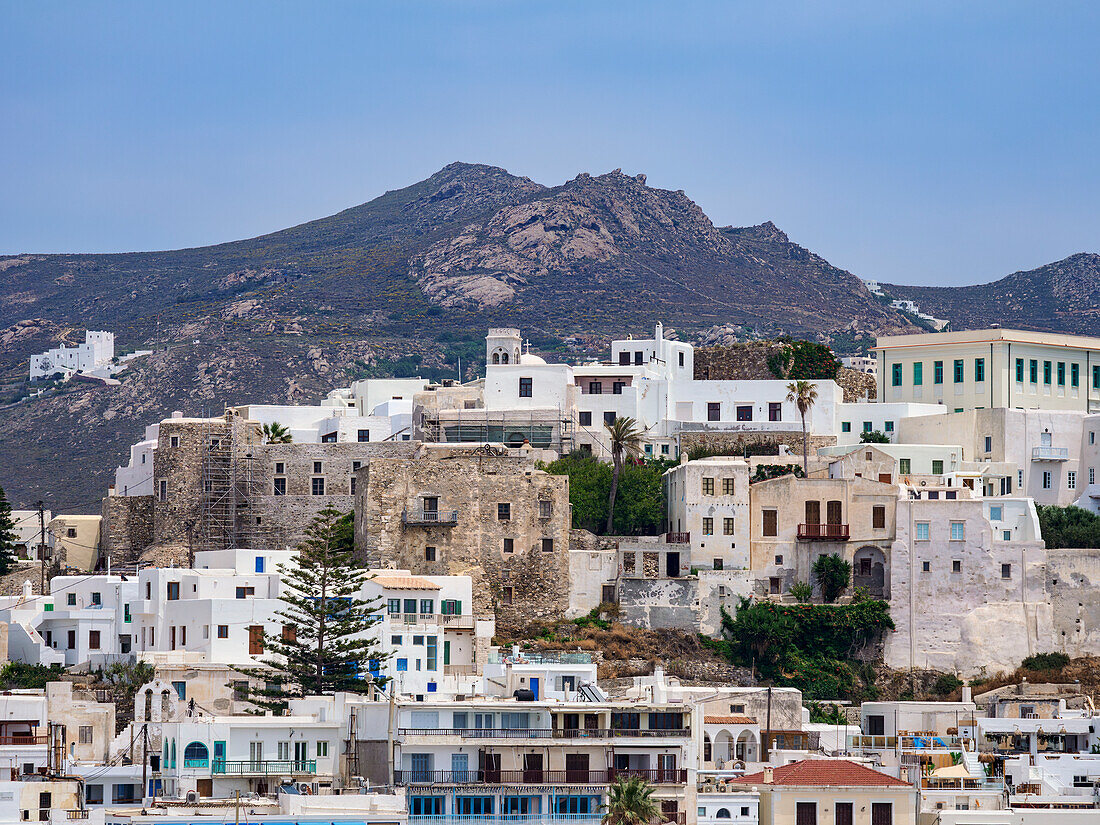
x,y
550,429
230,487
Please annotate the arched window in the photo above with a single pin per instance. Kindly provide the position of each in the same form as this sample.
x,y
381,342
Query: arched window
x,y
496,357
706,747
723,813
195,755
173,753
504,358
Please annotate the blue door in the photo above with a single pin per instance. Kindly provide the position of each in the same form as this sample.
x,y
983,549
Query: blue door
x,y
219,757
535,688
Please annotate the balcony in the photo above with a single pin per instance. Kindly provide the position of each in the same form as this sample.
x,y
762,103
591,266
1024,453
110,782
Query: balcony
x,y
548,818
547,733
677,538
656,776
1050,454
412,517
23,739
823,532
264,767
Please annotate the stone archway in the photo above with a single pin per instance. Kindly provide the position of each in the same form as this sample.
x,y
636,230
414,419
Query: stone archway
x,y
747,747
869,570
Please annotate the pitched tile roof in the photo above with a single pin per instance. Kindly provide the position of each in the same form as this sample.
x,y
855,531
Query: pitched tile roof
x,y
729,719
405,583
824,772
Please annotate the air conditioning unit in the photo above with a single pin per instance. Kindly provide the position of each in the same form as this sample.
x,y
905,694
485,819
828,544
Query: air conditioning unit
x,y
192,797
305,787
722,788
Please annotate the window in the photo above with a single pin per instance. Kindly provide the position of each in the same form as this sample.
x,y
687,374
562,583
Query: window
x,y
1047,479
979,369
922,530
71,600
779,561
1019,370
715,564
162,490
410,605
1092,437
364,435
280,487
727,526
1046,372
878,517
926,566
744,413
937,372
624,359
771,523
322,749
895,375
223,631
888,427
956,566
681,359
1092,475
775,411
904,465
280,468
595,388
727,486
868,426
1033,371
918,373
617,387
71,639
402,665
174,441
584,418
1006,571
714,411
547,545
708,486
609,417
173,591
845,426
317,486
988,443
1075,375
1071,480
93,794
882,813
844,813
1061,373
93,640
351,490
427,606
937,466
245,592
996,512
546,508
1096,377
85,734
708,526
504,511
507,596
181,689
509,545
958,371
429,554
289,633
525,388
957,531
393,606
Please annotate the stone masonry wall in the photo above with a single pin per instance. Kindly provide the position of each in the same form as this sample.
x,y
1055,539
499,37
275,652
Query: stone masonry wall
x,y
536,579
734,442
127,527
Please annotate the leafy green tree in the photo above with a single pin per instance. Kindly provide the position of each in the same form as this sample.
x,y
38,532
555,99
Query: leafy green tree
x,y
630,802
324,645
640,499
874,437
760,632
1068,527
833,575
276,433
803,592
8,536
625,440
803,394
826,713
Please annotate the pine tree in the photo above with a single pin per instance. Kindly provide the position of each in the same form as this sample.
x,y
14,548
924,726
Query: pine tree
x,y
7,535
324,646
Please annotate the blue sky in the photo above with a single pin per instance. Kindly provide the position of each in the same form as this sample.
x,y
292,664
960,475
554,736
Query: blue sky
x,y
933,142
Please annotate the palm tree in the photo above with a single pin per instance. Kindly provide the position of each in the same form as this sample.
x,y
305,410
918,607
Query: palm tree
x,y
803,394
276,433
630,802
625,438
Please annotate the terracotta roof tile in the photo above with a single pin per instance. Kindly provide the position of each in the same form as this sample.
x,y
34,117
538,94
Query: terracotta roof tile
x,y
733,719
405,583
825,772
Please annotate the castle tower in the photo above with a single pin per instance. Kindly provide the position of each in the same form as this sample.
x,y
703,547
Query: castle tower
x,y
502,346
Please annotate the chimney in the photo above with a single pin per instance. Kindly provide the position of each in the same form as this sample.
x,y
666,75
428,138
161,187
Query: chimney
x,y
967,695
769,774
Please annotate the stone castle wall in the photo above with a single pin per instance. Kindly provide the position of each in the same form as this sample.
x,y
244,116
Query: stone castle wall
x,y
733,443
524,585
127,527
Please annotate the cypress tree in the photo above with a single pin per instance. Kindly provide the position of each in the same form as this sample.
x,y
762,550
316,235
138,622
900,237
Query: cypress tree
x,y
7,535
324,646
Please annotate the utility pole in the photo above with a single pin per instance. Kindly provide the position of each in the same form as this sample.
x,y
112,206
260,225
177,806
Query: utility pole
x,y
768,728
42,544
144,760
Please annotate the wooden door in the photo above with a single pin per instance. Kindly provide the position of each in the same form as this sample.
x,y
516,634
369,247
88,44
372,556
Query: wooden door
x,y
813,512
833,513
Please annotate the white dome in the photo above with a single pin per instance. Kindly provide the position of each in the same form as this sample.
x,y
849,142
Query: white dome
x,y
529,359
